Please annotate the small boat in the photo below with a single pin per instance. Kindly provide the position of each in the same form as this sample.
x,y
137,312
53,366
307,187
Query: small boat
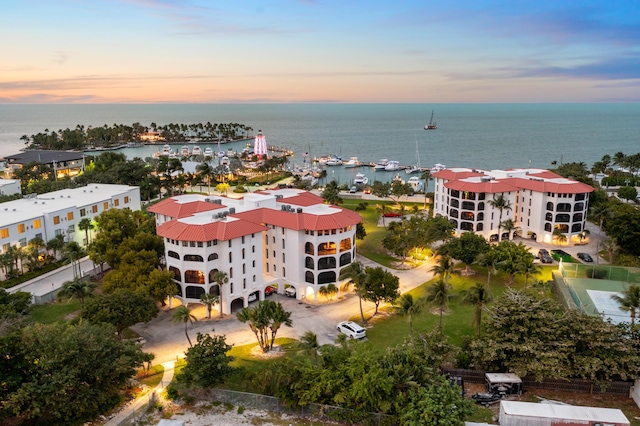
x,y
380,165
196,150
166,150
208,152
360,179
438,168
184,151
392,166
353,162
397,178
310,178
415,183
431,125
334,161
416,168
224,160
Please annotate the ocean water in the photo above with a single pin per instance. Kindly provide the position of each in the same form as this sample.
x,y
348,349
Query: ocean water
x,y
488,136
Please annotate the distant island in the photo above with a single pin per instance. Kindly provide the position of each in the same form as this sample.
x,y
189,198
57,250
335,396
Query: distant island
x,y
107,137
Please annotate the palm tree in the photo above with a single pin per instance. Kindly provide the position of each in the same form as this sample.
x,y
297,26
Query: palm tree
x,y
382,209
629,301
489,261
601,212
444,268
501,203
357,276
408,307
439,294
478,295
220,278
77,288
610,246
309,344
182,314
74,252
508,225
528,268
85,225
328,290
209,300
426,177
559,236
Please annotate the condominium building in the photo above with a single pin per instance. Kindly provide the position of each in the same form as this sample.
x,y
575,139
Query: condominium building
x,y
539,202
285,238
10,187
57,213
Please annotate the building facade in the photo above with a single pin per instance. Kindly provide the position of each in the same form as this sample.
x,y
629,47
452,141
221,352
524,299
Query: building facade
x,y
539,202
279,238
10,187
63,163
58,213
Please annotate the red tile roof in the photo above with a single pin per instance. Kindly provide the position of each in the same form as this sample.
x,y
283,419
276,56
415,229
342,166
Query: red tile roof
x,y
303,199
298,221
571,187
222,230
490,187
450,174
172,208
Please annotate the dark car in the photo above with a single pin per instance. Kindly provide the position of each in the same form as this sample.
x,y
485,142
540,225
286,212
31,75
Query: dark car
x,y
585,257
544,256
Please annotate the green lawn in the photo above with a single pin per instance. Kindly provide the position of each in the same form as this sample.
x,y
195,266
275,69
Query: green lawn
x,y
54,312
152,378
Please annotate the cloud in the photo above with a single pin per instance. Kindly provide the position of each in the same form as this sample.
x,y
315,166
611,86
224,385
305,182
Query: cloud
x,y
605,69
59,58
37,98
88,82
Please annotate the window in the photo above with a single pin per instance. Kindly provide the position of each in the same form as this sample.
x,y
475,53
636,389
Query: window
x,y
176,273
229,243
308,248
116,202
105,205
243,252
70,216
345,244
192,243
326,277
193,258
22,242
213,256
308,277
83,212
94,209
173,254
244,268
283,244
56,220
200,244
21,228
253,263
243,239
327,248
244,283
326,263
126,199
194,277
230,257
37,224
284,271
308,263
283,258
230,272
4,232
193,292
345,259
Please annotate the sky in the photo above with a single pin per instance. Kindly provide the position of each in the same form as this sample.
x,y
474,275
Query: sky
x,y
223,51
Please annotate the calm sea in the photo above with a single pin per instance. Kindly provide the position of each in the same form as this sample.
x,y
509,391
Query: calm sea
x,y
486,136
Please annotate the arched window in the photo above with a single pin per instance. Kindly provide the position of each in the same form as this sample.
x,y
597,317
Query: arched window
x,y
562,218
215,290
193,258
213,256
481,196
345,259
480,227
194,277
577,217
327,248
453,213
230,272
466,226
547,227
308,277
563,207
193,292
328,262
308,263
468,205
326,277
455,203
308,248
550,206
576,227
179,293
345,244
455,193
480,217
173,254
563,228
176,273
481,205
580,197
578,207
548,216
211,274
466,216
230,257
454,223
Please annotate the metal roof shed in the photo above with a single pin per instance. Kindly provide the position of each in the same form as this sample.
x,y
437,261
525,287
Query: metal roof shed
x,y
504,383
513,413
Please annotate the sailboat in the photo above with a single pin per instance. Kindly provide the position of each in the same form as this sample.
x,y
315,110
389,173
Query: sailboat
x,y
431,125
415,168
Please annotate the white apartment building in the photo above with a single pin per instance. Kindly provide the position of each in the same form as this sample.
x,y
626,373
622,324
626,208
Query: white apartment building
x,y
280,238
57,213
540,201
10,186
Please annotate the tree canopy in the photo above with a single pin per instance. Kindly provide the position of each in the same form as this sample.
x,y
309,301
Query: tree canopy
x,y
207,362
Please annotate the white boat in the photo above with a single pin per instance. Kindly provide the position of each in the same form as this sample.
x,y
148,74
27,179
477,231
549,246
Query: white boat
x,y
208,152
415,183
438,168
353,162
380,165
166,152
322,161
334,161
392,166
196,150
184,151
431,125
360,179
416,168
224,160
397,178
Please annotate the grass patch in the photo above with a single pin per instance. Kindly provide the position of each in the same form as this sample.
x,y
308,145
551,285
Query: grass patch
x,y
54,312
153,377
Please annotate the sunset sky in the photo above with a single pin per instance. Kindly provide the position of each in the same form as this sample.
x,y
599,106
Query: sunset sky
x,y
151,51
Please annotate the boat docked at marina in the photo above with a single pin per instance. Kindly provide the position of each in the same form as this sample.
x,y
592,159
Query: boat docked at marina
x,y
196,150
397,178
415,168
184,151
166,152
438,168
208,152
360,179
380,165
353,162
415,183
392,166
334,161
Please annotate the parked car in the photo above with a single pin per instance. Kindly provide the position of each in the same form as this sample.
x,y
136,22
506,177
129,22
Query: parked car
x,y
392,214
269,291
544,256
585,257
353,190
252,297
290,291
352,330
